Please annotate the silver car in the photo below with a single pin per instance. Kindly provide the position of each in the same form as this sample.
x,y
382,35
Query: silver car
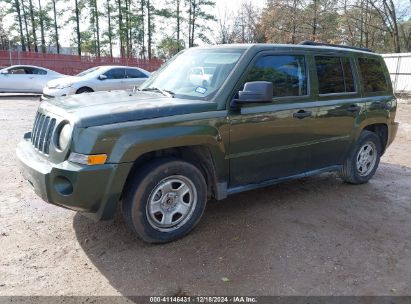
x,y
101,78
26,79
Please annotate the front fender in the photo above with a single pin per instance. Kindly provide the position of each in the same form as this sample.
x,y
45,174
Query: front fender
x,y
126,142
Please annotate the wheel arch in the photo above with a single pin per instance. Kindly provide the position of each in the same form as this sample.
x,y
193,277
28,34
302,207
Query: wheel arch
x,y
381,129
84,87
199,156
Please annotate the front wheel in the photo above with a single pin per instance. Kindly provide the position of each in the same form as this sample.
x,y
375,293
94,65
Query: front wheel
x,y
164,200
363,159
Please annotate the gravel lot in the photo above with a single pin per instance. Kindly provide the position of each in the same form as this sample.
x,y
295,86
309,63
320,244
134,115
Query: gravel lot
x,y
315,236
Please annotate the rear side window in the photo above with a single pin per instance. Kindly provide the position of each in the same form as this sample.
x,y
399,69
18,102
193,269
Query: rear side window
x,y
372,74
334,75
134,73
287,73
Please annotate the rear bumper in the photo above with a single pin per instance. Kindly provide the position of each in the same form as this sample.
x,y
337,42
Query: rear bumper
x,y
94,190
392,132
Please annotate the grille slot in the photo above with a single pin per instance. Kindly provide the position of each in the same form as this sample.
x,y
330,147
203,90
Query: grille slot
x,y
42,131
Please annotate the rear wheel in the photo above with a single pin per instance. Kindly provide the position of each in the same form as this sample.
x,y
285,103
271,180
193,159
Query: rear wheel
x,y
363,160
164,200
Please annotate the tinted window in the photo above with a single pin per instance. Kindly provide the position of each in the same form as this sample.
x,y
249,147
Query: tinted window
x,y
372,73
17,71
134,73
334,75
22,70
39,72
115,74
287,73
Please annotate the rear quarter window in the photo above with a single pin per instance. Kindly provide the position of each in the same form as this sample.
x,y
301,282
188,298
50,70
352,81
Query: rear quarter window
x,y
372,75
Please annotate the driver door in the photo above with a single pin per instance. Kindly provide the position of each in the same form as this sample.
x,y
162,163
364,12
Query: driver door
x,y
272,141
17,79
115,80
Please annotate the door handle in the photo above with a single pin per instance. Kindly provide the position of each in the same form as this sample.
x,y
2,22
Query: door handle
x,y
353,108
302,114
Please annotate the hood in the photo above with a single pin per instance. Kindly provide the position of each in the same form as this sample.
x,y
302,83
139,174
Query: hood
x,y
102,108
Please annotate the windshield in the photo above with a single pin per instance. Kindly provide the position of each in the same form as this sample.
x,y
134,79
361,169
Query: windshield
x,y
196,73
86,72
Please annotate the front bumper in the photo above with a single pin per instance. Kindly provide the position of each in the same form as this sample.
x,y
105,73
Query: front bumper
x,y
94,190
52,93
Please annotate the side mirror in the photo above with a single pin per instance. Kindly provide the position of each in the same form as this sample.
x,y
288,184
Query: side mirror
x,y
255,92
102,77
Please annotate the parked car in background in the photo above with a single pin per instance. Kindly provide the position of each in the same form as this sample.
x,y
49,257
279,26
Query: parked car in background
x,y
26,79
201,76
101,78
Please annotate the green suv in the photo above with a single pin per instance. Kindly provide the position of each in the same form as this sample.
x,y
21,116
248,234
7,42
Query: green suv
x,y
262,114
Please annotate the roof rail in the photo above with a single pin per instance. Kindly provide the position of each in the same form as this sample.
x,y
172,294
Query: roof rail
x,y
308,42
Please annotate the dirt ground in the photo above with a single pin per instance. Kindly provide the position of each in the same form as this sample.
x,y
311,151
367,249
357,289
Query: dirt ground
x,y
315,236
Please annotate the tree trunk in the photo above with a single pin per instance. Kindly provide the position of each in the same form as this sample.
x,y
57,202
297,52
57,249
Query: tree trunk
x,y
43,40
78,28
56,31
127,30
33,26
23,44
120,27
193,22
143,31
189,22
314,34
26,26
97,29
149,30
130,32
178,25
110,33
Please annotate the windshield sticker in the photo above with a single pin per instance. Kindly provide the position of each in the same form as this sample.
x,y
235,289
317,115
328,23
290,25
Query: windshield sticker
x,y
201,90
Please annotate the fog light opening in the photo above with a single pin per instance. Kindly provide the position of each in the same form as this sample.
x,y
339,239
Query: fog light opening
x,y
63,185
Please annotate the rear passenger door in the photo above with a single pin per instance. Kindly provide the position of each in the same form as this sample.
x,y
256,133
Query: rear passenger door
x,y
134,77
338,104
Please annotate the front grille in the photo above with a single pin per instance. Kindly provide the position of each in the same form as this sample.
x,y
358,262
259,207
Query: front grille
x,y
42,131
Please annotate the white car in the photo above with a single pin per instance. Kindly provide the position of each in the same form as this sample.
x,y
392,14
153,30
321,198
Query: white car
x,y
101,78
201,76
26,79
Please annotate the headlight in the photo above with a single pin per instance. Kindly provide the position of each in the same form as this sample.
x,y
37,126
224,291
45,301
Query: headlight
x,y
64,85
64,137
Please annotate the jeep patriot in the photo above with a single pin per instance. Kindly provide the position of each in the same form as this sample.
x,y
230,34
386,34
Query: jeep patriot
x,y
266,114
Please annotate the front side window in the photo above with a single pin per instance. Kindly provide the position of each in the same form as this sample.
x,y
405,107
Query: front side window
x,y
116,74
372,74
334,75
20,70
287,73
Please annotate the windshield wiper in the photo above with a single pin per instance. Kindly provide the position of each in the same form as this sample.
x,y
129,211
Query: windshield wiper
x,y
164,92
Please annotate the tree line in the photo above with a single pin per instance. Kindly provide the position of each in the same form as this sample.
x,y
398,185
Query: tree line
x,y
129,25
161,28
381,25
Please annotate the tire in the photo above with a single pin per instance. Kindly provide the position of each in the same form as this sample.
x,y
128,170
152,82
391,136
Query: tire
x,y
84,90
155,196
363,159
